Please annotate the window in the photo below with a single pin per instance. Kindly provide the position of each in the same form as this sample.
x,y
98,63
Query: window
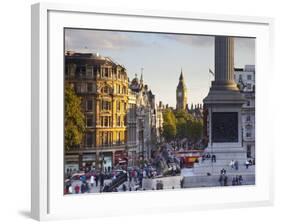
x,y
248,134
89,120
89,71
124,90
248,103
119,137
106,105
80,71
118,89
125,120
105,90
89,87
118,121
106,121
248,151
105,138
249,77
80,87
106,72
89,105
240,77
89,139
248,118
249,86
118,105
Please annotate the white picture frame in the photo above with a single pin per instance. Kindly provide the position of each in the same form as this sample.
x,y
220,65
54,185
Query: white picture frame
x,y
48,201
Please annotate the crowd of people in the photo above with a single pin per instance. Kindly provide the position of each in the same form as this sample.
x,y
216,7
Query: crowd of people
x,y
96,181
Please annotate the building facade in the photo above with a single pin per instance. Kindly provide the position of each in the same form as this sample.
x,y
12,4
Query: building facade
x,y
245,79
181,94
149,119
122,119
102,85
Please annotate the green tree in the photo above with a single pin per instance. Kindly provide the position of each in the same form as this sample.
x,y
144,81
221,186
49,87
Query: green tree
x,y
74,120
181,127
169,124
188,126
197,129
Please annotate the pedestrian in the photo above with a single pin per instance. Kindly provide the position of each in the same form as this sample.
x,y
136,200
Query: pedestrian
x,y
181,182
92,180
221,179
247,164
233,181
70,190
214,158
140,180
144,173
87,187
231,164
237,180
83,188
225,180
130,176
101,179
97,179
236,165
240,179
77,189
124,188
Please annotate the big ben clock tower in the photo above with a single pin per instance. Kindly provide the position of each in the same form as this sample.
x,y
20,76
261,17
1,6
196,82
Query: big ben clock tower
x,y
181,94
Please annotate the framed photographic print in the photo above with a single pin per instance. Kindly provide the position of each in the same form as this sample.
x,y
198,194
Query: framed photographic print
x,y
166,109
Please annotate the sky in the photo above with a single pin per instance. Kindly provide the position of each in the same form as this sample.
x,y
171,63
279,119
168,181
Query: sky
x,y
161,56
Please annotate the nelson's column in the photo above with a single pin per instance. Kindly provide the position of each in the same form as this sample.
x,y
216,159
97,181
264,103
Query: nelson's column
x,y
224,102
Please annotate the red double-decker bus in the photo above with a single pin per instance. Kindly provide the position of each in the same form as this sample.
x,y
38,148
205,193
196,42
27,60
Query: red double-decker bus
x,y
189,157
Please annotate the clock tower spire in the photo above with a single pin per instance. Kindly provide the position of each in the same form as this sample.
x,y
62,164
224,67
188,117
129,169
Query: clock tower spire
x,y
181,93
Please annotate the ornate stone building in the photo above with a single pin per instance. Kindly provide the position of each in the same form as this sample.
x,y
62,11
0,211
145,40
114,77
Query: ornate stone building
x,y
148,119
245,78
123,122
102,85
181,94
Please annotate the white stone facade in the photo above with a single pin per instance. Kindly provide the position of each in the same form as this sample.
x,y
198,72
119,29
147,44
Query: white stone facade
x,y
145,122
245,78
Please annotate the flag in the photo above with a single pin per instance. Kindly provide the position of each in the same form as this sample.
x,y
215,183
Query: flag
x,y
210,71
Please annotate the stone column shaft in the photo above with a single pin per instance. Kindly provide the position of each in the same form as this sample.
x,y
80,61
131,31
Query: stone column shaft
x,y
224,58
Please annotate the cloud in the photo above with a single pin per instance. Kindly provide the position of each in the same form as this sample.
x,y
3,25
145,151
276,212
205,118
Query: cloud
x,y
243,42
97,40
193,40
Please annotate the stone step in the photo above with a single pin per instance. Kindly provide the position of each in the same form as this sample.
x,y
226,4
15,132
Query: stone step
x,y
218,162
217,170
210,181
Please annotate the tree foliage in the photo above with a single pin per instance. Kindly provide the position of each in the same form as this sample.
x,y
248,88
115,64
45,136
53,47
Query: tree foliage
x,y
169,125
74,120
181,124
